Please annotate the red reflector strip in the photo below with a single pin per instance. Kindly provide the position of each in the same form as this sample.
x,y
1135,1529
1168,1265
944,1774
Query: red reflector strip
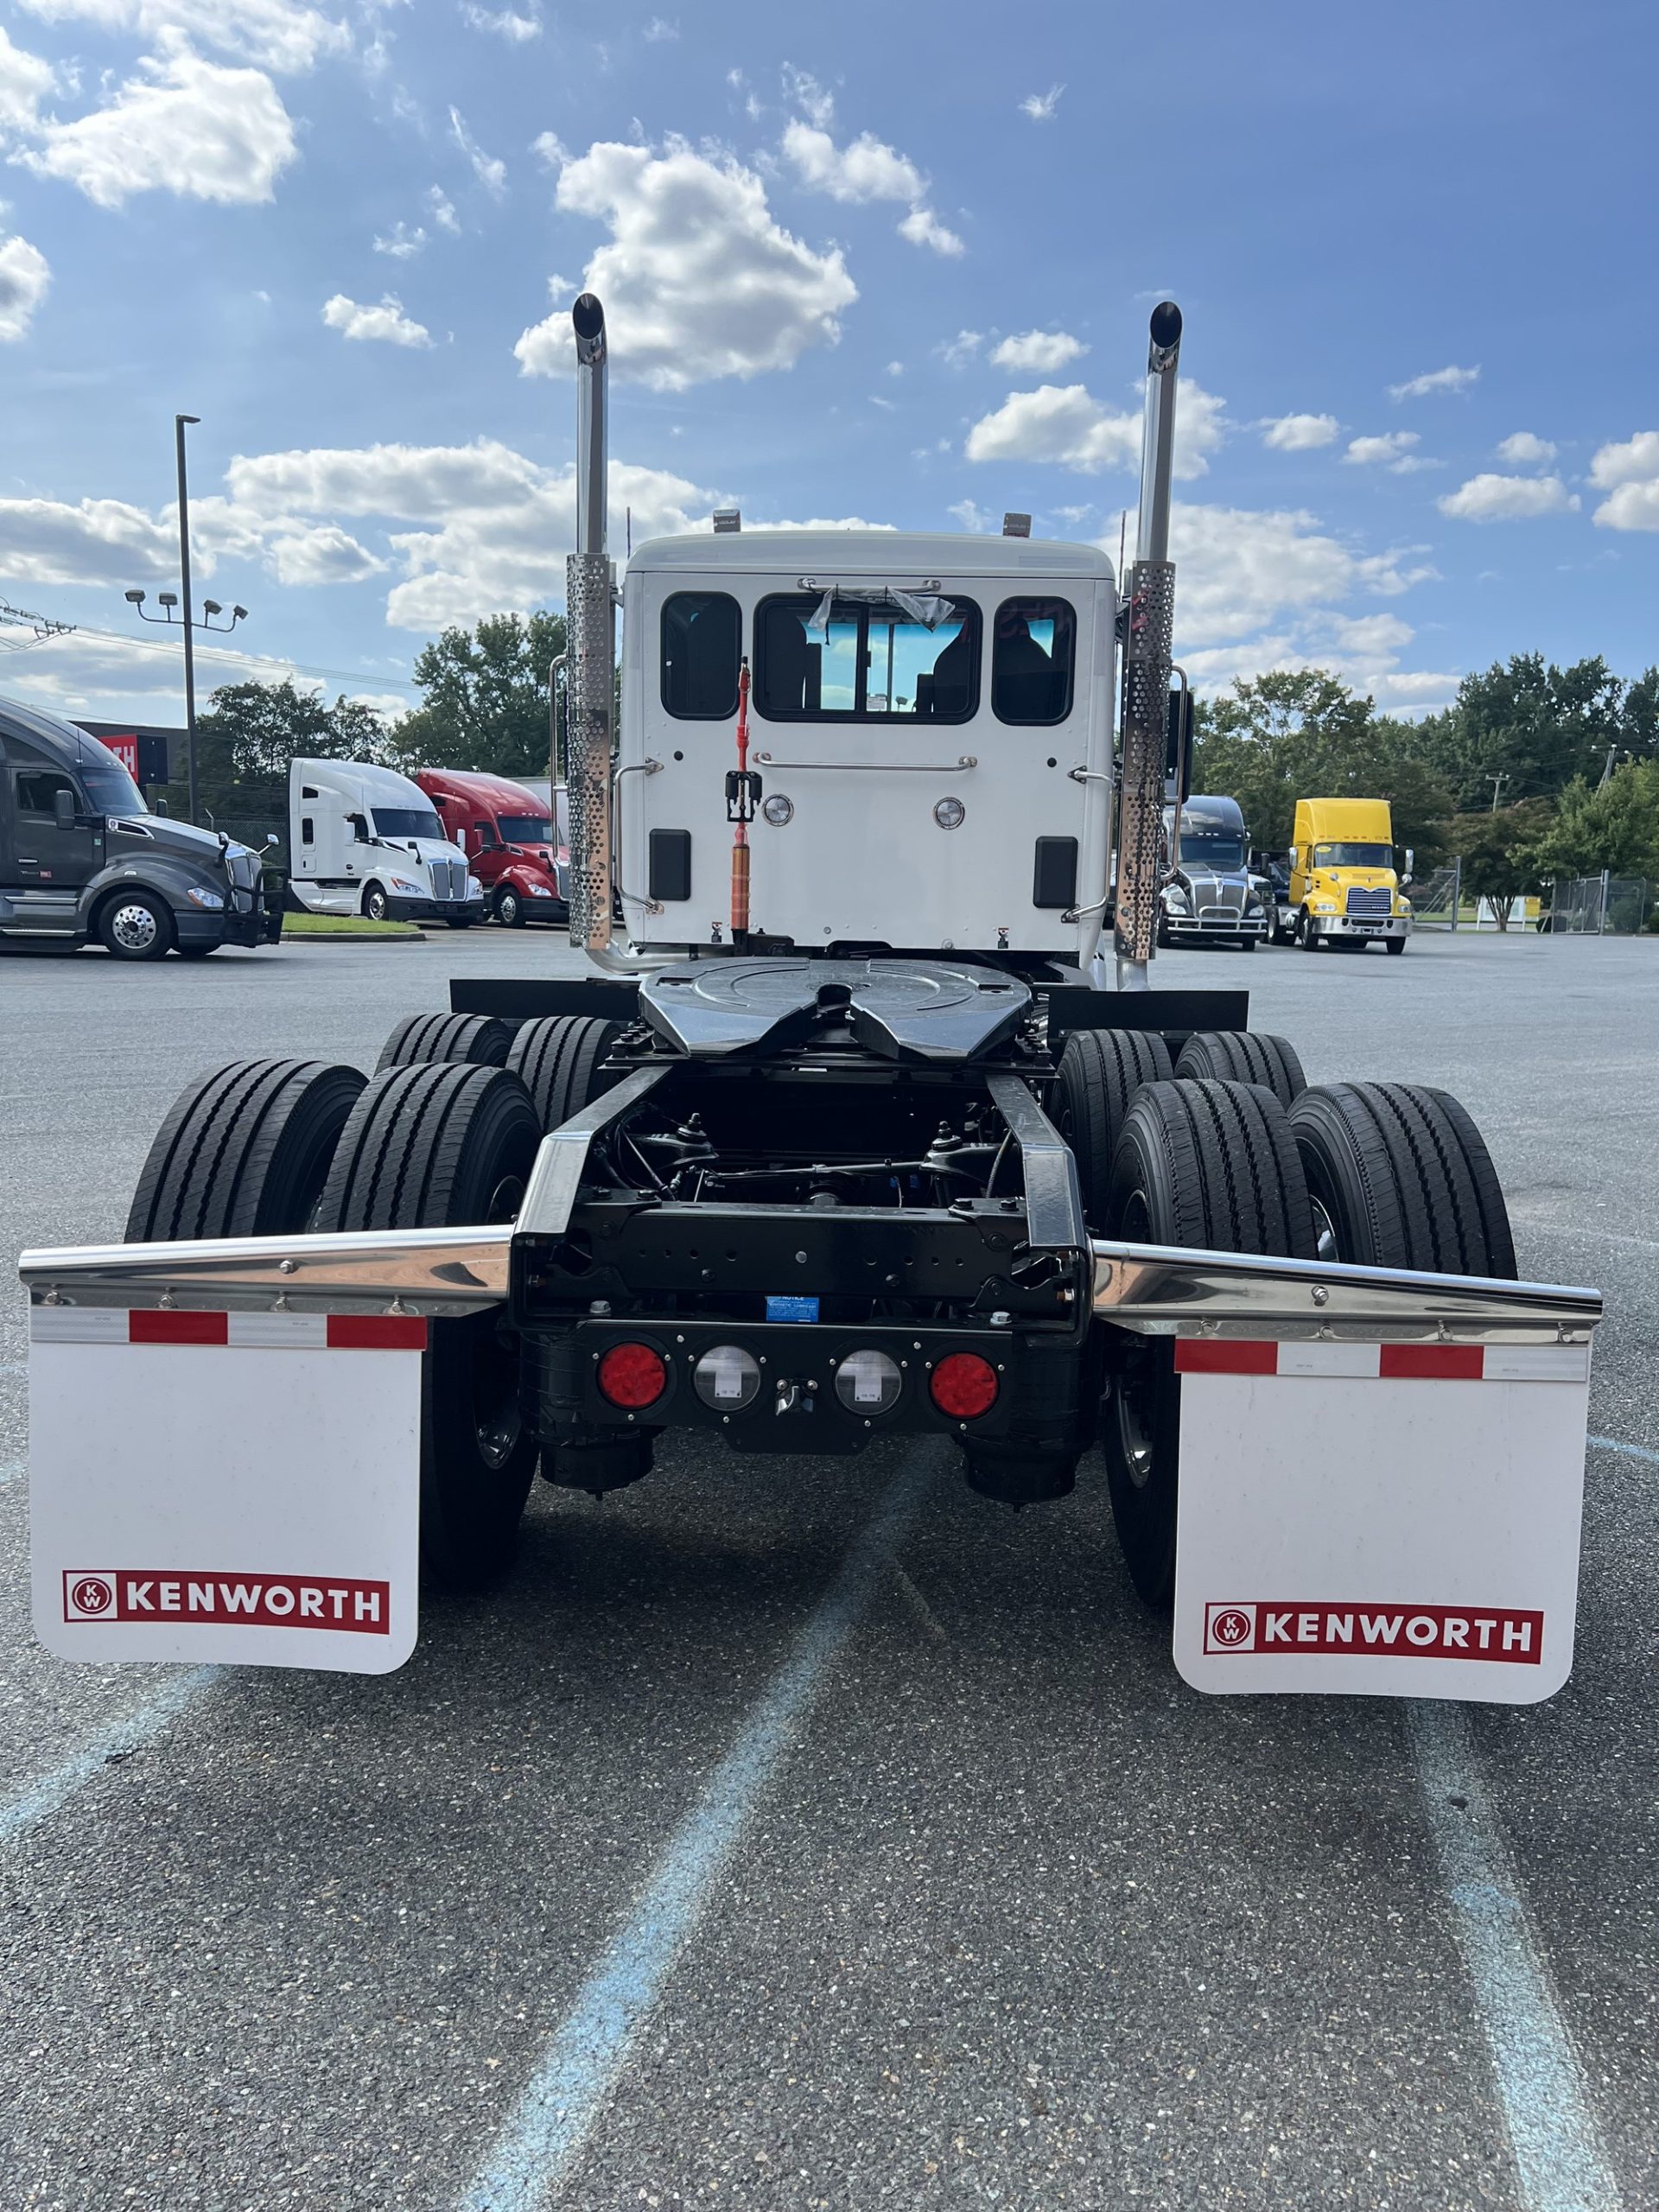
x,y
1449,1362
377,1332
1220,1356
160,1325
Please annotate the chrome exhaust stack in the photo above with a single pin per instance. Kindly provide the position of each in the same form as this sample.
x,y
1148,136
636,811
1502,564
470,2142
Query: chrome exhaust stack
x,y
1150,597
590,638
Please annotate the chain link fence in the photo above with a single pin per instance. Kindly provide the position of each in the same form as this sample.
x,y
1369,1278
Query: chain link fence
x,y
1602,906
1435,901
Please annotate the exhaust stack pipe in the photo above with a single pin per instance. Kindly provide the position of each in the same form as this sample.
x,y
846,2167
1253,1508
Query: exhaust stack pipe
x,y
1148,652
590,627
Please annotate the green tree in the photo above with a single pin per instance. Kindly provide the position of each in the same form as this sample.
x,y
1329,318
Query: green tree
x,y
1499,852
1533,724
485,697
1613,825
1303,733
252,731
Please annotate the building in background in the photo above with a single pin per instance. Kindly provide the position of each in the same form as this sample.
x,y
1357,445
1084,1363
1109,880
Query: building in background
x,y
147,750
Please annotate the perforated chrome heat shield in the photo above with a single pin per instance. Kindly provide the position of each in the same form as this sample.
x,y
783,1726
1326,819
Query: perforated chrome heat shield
x,y
591,642
1146,708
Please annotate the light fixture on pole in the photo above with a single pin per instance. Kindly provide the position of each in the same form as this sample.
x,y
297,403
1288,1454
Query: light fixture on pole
x,y
170,599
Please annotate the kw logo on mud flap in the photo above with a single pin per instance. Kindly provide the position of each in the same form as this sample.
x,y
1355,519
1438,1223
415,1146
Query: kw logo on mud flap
x,y
1498,1632
254,1600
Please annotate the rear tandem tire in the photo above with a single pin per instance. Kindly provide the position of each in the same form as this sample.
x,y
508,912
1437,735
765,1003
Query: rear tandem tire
x,y
1099,1074
475,1039
1243,1056
1399,1177
559,1058
441,1146
1205,1164
244,1152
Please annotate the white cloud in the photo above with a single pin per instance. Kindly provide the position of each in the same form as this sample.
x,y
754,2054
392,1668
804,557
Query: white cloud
x,y
1298,433
1038,352
974,519
863,170
1392,450
322,553
1446,379
660,32
505,22
698,279
103,542
24,278
922,228
400,242
957,353
1065,423
805,92
1040,106
278,35
1629,473
492,528
443,211
181,124
824,522
386,324
25,81
1523,451
490,173
1508,498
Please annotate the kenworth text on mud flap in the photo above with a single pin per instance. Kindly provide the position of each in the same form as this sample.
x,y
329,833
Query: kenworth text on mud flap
x,y
860,1133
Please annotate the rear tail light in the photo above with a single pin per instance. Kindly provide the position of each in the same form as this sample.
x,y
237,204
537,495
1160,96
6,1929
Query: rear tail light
x,y
632,1375
867,1383
963,1386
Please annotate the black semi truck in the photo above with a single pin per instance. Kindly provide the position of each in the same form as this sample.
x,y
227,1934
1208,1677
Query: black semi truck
x,y
83,860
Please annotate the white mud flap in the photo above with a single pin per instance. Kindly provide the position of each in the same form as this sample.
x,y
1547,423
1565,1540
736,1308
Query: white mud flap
x,y
1384,1519
241,1489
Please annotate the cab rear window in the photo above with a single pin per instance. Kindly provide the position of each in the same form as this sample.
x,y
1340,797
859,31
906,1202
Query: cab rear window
x,y
853,661
1032,657
702,640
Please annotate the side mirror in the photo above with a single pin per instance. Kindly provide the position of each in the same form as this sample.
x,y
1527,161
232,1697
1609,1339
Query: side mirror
x,y
1178,746
161,807
63,809
1411,862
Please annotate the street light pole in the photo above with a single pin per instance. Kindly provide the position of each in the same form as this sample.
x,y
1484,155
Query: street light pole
x,y
179,423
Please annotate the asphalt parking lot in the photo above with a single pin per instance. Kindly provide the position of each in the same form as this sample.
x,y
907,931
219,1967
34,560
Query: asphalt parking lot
x,y
815,1832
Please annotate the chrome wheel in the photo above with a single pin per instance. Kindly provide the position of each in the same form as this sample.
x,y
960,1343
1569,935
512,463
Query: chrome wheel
x,y
135,928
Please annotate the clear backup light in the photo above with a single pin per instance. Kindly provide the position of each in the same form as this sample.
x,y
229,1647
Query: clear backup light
x,y
867,1383
778,810
727,1377
949,814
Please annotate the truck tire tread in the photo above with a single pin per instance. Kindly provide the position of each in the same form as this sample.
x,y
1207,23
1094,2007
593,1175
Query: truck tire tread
x,y
244,1152
474,1039
1243,1056
1100,1072
558,1059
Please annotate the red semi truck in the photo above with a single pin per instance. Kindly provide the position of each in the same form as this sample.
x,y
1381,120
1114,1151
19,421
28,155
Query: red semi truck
x,y
510,841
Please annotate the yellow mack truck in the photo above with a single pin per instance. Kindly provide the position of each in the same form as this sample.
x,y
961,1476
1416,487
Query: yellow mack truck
x,y
1344,891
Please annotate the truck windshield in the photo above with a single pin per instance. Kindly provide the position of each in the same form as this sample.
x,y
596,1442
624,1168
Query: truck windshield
x,y
1220,850
110,789
525,828
407,822
1353,856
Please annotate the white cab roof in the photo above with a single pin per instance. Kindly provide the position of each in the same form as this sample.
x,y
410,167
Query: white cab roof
x,y
383,784
899,556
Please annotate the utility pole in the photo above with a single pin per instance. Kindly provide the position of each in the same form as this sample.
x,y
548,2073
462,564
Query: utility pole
x,y
1497,783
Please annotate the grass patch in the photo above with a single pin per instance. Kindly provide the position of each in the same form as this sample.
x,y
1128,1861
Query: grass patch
x,y
344,925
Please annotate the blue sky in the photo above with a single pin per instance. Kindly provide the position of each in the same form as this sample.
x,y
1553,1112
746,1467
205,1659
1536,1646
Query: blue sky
x,y
889,264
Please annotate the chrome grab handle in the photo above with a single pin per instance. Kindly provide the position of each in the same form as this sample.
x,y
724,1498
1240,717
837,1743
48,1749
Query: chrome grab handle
x,y
881,767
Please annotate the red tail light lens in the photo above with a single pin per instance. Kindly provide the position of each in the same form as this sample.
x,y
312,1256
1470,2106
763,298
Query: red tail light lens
x,y
632,1375
963,1385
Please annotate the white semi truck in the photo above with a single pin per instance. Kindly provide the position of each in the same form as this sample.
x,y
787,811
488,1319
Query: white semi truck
x,y
859,1132
364,839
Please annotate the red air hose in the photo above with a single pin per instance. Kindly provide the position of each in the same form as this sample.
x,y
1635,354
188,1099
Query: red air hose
x,y
742,809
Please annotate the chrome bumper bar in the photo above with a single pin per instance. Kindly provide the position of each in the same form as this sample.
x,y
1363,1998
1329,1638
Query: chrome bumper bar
x,y
1153,1290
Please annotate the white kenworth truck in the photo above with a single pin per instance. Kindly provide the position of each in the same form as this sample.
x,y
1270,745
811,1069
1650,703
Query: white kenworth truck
x,y
858,1131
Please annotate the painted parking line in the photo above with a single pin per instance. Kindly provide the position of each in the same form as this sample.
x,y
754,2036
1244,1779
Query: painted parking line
x,y
114,1741
534,2154
1624,1451
1558,2156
